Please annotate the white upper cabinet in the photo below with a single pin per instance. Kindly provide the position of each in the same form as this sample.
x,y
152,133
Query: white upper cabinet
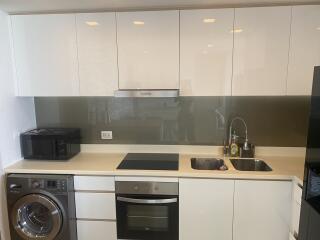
x,y
262,210
97,51
257,51
261,45
45,54
148,49
304,49
206,44
205,209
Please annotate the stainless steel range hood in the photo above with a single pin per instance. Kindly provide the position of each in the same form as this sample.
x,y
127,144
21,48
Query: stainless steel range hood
x,y
159,93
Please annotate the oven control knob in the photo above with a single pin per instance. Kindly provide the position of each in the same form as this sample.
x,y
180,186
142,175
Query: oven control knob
x,y
136,188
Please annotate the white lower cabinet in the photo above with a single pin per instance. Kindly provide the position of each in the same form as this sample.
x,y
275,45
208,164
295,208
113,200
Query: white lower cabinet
x,y
96,230
209,209
95,207
205,209
262,210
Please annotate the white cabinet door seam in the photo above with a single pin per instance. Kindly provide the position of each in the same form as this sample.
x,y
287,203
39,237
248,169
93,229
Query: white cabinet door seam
x,y
14,67
233,27
289,49
117,44
78,64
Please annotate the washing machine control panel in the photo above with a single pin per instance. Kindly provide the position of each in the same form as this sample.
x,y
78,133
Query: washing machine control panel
x,y
48,184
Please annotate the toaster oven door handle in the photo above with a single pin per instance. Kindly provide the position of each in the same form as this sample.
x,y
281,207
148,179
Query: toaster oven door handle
x,y
147,201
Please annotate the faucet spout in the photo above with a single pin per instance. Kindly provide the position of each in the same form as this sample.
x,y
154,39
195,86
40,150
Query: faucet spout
x,y
245,125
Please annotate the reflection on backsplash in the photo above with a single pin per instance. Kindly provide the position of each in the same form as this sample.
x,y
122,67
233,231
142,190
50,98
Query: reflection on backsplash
x,y
272,121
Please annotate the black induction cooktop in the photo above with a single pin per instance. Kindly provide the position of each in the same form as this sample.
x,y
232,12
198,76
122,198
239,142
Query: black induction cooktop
x,y
150,161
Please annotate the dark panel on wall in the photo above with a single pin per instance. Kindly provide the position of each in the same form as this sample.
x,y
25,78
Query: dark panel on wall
x,y
272,121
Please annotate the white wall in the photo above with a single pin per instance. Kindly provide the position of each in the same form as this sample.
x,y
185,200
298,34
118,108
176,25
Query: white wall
x,y
16,115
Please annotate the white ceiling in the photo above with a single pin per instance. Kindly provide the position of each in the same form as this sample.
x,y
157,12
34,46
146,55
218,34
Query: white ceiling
x,y
34,6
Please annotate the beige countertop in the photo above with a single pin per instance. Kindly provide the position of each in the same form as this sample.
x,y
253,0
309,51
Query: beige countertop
x,y
284,168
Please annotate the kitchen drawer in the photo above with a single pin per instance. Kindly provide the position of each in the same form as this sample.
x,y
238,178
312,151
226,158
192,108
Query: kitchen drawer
x,y
89,183
95,205
297,193
96,230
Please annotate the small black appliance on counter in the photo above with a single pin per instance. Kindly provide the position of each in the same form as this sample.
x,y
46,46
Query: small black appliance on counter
x,y
50,143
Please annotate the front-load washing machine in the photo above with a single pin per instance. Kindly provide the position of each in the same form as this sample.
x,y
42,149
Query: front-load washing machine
x,y
41,207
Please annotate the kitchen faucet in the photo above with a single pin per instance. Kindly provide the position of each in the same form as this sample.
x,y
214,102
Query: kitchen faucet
x,y
246,142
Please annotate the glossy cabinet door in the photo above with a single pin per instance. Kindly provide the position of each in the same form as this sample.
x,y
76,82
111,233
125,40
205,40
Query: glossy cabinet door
x,y
94,183
45,54
206,45
261,45
96,230
97,51
262,210
103,202
304,49
205,209
148,49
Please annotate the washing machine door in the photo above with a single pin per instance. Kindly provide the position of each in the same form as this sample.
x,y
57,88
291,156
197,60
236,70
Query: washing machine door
x,y
36,216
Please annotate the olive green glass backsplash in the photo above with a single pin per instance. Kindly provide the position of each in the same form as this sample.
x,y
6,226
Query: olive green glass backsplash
x,y
272,121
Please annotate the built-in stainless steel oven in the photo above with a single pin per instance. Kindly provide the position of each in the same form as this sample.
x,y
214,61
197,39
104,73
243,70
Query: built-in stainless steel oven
x,y
148,210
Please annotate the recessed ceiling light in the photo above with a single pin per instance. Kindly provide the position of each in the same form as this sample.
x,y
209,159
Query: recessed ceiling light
x,y
92,24
318,28
210,45
209,20
138,22
238,30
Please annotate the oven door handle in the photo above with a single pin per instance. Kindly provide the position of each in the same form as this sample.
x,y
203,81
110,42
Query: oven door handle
x,y
147,201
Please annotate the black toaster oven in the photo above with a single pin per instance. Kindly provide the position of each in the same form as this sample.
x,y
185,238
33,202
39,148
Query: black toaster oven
x,y
50,143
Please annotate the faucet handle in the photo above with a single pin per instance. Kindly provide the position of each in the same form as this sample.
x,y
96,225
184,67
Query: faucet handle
x,y
246,145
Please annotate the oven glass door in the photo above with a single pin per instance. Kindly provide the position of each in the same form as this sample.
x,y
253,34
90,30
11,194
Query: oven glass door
x,y
148,217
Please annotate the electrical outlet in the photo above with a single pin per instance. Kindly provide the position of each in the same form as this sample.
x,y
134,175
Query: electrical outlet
x,y
106,135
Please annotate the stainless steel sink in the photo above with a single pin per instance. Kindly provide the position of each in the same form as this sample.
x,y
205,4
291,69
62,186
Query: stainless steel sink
x,y
250,164
208,164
